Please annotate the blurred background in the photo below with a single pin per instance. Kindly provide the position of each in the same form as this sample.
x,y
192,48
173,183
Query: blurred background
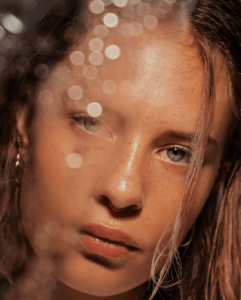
x,y
16,17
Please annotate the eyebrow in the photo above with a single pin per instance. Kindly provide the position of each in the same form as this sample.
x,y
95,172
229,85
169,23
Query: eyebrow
x,y
188,137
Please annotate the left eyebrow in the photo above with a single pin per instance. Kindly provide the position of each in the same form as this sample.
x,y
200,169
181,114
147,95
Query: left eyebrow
x,y
184,136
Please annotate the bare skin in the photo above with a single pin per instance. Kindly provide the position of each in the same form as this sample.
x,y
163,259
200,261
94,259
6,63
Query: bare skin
x,y
126,160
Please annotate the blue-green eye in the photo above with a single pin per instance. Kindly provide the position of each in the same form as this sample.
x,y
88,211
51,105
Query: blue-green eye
x,y
90,124
179,155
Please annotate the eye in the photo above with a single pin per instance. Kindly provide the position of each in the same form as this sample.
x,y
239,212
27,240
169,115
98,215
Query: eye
x,y
90,124
176,154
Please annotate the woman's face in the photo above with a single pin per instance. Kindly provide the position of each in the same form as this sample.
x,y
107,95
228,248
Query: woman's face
x,y
133,156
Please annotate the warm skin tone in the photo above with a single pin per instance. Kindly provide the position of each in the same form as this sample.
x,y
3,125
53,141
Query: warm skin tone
x,y
125,160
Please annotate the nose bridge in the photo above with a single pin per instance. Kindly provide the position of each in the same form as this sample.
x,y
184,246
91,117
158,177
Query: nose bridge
x,y
124,183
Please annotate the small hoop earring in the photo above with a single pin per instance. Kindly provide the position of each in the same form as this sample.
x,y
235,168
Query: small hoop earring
x,y
189,242
18,165
116,209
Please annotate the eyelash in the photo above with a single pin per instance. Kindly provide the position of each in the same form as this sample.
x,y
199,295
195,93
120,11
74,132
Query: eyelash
x,y
81,118
186,155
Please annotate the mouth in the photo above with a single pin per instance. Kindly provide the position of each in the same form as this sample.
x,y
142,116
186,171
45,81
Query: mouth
x,y
107,242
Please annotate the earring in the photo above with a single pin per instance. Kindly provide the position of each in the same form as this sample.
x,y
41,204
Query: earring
x,y
18,165
189,242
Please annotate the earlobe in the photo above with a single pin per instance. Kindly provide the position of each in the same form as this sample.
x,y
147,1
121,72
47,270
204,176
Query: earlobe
x,y
21,125
223,172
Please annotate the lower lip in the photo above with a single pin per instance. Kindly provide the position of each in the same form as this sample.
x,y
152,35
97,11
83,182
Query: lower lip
x,y
103,248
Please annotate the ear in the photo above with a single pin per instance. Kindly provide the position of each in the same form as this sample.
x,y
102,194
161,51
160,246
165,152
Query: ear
x,y
222,175
21,124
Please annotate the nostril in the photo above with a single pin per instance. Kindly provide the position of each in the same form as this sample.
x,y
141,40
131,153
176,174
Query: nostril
x,y
116,209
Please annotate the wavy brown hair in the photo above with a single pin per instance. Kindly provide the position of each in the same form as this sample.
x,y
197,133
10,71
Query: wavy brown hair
x,y
211,266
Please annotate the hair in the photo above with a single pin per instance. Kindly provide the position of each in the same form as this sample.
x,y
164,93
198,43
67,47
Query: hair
x,y
210,267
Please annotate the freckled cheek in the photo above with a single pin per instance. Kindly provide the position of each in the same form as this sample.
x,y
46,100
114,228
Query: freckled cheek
x,y
164,194
64,167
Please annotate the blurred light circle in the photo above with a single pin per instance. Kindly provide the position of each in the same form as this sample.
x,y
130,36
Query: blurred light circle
x,y
127,30
143,9
41,71
45,97
125,87
138,28
77,58
112,52
170,1
3,63
107,2
2,32
101,31
96,58
109,86
134,2
12,24
75,92
94,109
74,160
164,6
96,44
78,70
63,73
22,65
110,20
97,6
90,72
120,3
150,22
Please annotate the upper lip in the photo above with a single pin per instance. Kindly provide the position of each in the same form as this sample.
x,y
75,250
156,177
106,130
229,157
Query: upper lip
x,y
111,234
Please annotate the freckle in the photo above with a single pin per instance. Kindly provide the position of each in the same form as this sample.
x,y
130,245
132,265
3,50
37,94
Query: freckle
x,y
129,143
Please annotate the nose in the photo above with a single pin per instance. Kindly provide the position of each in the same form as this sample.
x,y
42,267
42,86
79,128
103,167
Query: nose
x,y
123,181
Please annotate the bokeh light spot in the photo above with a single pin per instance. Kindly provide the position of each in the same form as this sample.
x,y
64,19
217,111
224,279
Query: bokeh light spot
x,y
12,24
74,160
150,22
125,87
97,6
107,2
120,3
94,109
110,20
112,52
101,31
90,72
45,97
75,92
96,58
41,71
165,6
138,28
77,58
78,70
143,9
170,1
134,2
96,44
127,30
109,86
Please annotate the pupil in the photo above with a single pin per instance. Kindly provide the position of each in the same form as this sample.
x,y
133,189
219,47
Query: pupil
x,y
175,151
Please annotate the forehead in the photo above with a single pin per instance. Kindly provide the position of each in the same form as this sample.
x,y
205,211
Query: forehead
x,y
151,75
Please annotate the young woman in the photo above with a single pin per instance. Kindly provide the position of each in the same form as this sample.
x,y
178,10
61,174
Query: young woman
x,y
120,153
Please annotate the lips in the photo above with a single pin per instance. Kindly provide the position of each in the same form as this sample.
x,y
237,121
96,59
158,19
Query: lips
x,y
107,242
